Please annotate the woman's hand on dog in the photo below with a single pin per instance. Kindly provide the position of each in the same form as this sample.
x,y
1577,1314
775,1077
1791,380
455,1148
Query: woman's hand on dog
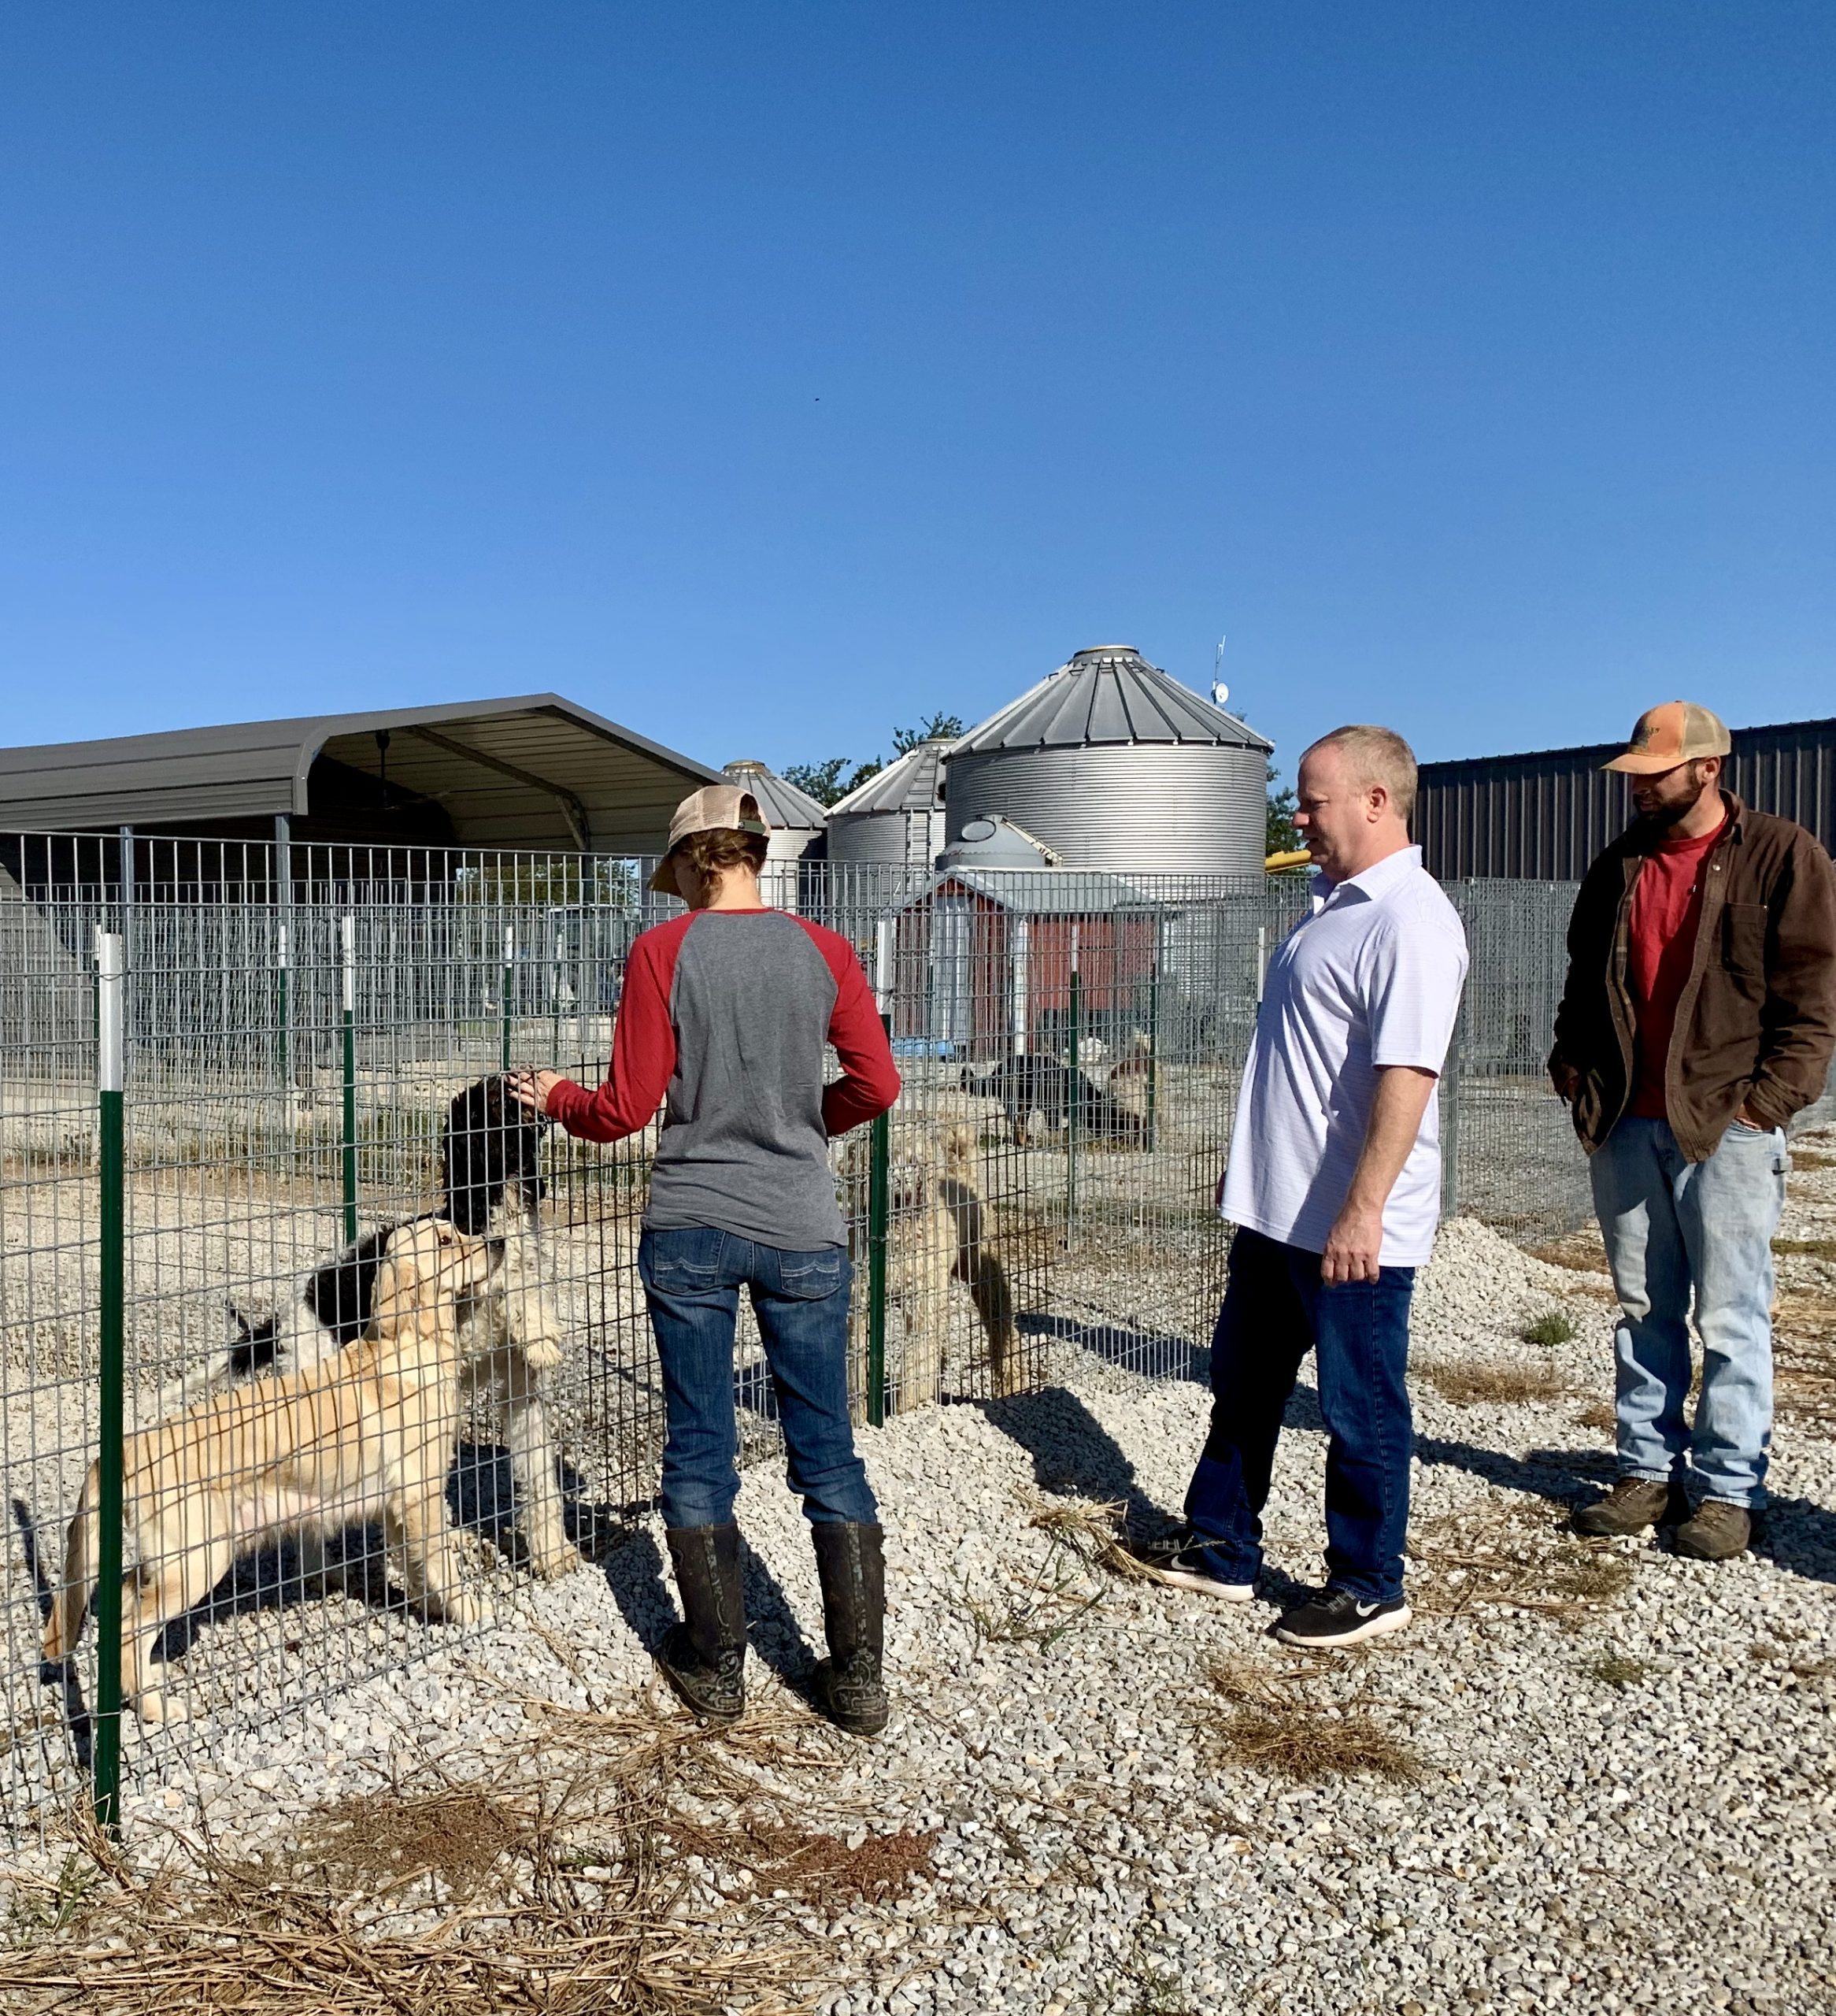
x,y
532,1088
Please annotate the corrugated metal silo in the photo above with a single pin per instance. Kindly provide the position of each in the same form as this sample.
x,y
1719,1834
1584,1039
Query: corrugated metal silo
x,y
1115,765
896,817
797,825
797,822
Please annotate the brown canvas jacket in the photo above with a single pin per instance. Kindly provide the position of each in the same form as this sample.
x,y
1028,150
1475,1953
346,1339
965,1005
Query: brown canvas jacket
x,y
1756,1021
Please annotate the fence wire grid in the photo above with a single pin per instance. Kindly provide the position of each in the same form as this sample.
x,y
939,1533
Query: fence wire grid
x,y
294,1032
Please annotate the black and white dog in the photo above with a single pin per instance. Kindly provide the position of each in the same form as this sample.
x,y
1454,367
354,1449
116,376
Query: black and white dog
x,y
1029,1083
490,1154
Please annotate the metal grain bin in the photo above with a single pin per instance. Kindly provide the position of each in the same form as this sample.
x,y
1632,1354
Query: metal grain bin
x,y
798,824
1114,764
896,816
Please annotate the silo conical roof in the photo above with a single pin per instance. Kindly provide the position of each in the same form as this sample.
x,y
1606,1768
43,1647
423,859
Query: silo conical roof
x,y
1108,693
912,783
783,805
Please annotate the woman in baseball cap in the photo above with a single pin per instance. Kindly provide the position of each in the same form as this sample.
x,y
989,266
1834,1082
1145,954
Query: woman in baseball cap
x,y
723,1019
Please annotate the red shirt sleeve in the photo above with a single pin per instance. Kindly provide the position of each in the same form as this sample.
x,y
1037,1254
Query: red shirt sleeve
x,y
643,1046
869,1082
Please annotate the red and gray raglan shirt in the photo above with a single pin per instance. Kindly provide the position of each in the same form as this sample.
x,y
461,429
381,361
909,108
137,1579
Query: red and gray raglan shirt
x,y
726,1013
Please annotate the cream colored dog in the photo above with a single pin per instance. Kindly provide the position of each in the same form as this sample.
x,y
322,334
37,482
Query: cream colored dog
x,y
366,1433
940,1228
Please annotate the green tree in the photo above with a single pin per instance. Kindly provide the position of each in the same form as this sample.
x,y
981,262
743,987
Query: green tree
x,y
828,783
1283,836
939,728
822,781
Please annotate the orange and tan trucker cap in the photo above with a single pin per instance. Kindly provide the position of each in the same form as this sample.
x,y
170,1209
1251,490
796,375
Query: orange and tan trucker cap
x,y
1678,731
709,810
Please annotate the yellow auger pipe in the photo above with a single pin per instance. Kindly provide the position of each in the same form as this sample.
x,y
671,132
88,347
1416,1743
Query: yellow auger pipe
x,y
1294,858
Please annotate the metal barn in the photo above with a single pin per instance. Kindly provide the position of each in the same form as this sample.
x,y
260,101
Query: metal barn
x,y
1544,815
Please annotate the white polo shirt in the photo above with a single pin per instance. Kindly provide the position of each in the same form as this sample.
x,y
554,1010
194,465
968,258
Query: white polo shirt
x,y
1370,978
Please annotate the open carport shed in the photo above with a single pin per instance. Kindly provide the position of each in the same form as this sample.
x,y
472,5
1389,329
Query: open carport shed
x,y
533,772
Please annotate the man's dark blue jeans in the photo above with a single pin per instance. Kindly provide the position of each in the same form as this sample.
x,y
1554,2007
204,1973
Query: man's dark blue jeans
x,y
1276,1309
692,1280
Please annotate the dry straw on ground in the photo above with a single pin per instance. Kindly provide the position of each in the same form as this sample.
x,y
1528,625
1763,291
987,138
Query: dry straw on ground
x,y
615,1862
1516,1556
1804,1358
1491,1382
1093,1532
1041,1604
1615,1669
1274,1727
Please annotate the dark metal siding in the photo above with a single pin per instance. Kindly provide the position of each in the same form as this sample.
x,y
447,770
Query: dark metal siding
x,y
1543,816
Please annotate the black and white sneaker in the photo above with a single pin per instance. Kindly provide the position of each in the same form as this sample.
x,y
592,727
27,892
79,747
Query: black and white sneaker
x,y
1180,1560
1341,1617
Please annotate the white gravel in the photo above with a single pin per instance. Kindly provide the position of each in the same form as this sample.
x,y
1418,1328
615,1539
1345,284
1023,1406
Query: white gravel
x,y
1651,1833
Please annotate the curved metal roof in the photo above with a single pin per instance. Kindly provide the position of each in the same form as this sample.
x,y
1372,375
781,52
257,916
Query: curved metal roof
x,y
784,805
532,771
1108,693
912,783
997,842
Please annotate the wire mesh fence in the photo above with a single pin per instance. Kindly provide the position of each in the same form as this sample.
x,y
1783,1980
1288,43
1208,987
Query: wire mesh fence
x,y
309,1044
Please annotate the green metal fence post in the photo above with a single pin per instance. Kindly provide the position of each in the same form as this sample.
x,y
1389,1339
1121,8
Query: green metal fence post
x,y
347,935
105,1751
1076,1112
878,1211
1153,1055
1450,1091
509,981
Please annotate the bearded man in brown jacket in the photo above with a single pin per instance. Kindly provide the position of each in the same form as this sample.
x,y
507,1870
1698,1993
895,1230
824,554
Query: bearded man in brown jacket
x,y
1699,1017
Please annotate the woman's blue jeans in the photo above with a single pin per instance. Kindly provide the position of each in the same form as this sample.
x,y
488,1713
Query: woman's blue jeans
x,y
692,1280
1275,1309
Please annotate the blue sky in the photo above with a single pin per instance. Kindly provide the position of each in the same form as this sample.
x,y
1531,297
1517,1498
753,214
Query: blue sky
x,y
763,375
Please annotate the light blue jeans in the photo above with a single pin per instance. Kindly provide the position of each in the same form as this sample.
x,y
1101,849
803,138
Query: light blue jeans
x,y
1671,1226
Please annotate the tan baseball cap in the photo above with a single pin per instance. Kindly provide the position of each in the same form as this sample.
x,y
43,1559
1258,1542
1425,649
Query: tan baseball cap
x,y
710,810
1677,732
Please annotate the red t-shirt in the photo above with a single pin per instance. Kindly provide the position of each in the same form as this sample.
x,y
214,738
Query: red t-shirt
x,y
1667,909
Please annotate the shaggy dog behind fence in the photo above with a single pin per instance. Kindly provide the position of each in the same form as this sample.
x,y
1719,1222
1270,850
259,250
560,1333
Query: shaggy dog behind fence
x,y
939,1228
1029,1083
365,1433
508,1335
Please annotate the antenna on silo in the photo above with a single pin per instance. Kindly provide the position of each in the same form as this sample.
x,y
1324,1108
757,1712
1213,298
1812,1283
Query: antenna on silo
x,y
1219,691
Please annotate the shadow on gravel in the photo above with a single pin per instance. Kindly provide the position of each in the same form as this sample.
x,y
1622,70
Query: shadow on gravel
x,y
482,1496
1564,1477
1799,1537
1145,1352
1074,1455
1794,1534
771,1626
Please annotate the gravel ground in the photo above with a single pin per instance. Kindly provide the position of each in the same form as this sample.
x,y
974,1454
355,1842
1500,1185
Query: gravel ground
x,y
1590,1776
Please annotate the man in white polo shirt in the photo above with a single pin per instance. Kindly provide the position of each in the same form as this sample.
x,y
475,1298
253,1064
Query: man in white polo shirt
x,y
1334,1183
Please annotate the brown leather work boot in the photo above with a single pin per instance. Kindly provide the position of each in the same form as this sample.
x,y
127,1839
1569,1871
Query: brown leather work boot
x,y
1634,1504
1718,1532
